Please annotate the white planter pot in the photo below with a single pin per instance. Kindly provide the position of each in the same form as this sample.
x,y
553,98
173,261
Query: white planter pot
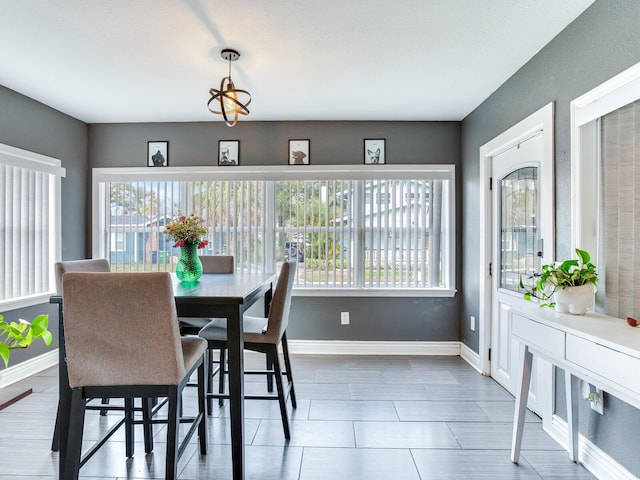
x,y
576,300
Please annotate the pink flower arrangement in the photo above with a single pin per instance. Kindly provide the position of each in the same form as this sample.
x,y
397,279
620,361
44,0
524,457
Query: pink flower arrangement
x,y
186,229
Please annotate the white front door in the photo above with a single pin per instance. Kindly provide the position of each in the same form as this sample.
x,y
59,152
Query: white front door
x,y
518,247
517,218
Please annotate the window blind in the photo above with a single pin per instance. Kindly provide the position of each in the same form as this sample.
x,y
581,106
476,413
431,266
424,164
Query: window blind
x,y
29,225
619,217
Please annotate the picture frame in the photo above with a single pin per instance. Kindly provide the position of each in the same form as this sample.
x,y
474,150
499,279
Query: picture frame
x,y
158,153
375,152
228,153
299,152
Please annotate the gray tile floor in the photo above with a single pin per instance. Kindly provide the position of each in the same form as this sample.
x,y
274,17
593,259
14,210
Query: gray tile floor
x,y
358,418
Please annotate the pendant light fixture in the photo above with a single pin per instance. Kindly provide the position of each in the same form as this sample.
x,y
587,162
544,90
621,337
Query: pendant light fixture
x,y
229,101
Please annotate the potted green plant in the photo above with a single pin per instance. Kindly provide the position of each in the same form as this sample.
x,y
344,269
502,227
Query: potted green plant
x,y
567,286
21,334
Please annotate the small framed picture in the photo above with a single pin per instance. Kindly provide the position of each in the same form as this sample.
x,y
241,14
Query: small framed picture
x,y
158,154
299,153
228,152
374,151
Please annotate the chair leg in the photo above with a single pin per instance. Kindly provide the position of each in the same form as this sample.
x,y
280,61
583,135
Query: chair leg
x,y
173,422
209,360
147,406
74,443
223,361
128,427
105,401
269,374
287,366
281,398
55,443
203,374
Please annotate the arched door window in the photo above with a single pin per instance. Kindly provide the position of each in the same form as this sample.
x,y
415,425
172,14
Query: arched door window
x,y
518,227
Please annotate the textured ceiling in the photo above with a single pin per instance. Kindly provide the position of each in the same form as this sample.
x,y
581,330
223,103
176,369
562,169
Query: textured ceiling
x,y
155,60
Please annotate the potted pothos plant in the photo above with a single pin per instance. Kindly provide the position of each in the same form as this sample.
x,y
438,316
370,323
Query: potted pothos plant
x,y
567,286
21,334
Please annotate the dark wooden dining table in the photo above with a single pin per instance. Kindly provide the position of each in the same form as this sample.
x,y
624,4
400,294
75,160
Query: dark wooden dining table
x,y
216,296
228,296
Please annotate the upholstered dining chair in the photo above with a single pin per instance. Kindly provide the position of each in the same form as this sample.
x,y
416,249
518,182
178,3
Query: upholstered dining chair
x,y
88,265
102,265
92,265
123,341
264,335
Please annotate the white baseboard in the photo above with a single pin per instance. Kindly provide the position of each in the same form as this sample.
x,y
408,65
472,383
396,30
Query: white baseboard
x,y
28,367
591,457
340,347
471,357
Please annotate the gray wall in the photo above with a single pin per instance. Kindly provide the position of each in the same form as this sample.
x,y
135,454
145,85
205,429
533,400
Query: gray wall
x,y
598,45
332,143
27,124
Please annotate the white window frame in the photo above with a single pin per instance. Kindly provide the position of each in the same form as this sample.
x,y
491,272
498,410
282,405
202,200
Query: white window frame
x,y
25,159
611,95
274,173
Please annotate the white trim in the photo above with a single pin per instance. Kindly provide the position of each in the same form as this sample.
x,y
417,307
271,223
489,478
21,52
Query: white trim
x,y
34,161
542,120
23,302
374,292
28,368
590,456
340,347
471,357
274,172
607,97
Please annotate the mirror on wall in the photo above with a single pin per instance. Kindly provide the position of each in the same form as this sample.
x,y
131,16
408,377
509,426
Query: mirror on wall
x,y
605,144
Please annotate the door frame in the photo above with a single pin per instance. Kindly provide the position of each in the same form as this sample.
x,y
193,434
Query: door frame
x,y
541,120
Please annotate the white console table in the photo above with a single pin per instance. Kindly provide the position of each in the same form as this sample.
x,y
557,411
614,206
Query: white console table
x,y
603,350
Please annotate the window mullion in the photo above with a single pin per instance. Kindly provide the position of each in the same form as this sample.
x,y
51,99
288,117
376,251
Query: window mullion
x,y
358,225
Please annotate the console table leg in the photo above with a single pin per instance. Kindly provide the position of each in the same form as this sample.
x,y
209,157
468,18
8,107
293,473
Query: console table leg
x,y
571,387
521,404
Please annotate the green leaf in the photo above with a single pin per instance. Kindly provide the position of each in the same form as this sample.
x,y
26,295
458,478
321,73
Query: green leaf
x,y
47,338
39,325
567,264
4,353
584,256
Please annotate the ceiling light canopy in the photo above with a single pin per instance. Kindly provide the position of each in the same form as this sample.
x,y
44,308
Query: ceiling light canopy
x,y
229,101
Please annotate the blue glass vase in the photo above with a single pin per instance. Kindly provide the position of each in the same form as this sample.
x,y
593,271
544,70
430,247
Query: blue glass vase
x,y
189,267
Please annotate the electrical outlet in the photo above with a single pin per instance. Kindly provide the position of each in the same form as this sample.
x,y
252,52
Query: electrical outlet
x,y
597,401
344,318
594,396
473,323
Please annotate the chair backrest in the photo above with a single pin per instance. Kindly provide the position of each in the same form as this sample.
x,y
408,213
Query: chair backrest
x,y
121,329
281,303
217,263
90,265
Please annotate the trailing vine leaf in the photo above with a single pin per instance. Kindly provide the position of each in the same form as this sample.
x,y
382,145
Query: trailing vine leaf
x,y
21,334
